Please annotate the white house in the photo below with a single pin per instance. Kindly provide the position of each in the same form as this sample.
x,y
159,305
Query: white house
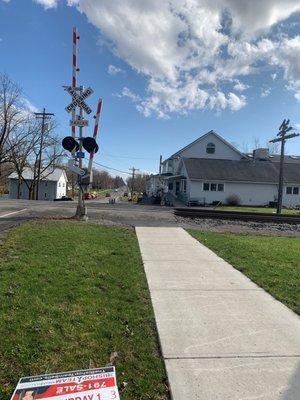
x,y
53,184
210,170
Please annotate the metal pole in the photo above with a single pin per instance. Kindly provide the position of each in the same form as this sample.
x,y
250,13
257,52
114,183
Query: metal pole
x,y
81,211
280,186
74,74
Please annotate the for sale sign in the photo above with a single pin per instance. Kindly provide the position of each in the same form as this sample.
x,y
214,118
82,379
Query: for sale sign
x,y
91,384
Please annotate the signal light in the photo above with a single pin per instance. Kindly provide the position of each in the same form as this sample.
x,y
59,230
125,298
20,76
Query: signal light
x,y
70,144
90,145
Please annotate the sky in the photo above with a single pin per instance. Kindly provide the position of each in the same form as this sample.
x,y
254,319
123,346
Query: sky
x,y
168,71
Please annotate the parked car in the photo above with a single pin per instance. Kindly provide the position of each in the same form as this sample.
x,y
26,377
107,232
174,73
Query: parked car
x,y
64,198
125,194
89,196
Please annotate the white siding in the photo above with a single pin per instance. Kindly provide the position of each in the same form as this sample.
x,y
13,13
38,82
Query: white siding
x,y
222,151
61,187
198,150
48,190
249,193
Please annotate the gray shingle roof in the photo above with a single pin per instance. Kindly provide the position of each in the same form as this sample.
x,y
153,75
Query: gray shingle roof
x,y
243,170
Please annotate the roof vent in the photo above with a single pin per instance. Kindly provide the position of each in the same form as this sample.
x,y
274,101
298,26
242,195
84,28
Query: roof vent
x,y
261,154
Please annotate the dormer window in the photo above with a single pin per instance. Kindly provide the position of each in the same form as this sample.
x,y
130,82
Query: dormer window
x,y
210,148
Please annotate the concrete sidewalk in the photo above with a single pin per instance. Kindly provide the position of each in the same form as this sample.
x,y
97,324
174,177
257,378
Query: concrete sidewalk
x,y
222,337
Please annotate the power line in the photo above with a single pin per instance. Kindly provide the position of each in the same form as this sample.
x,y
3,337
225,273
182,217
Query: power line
x,y
129,157
113,169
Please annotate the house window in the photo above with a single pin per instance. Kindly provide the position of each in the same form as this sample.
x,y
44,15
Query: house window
x,y
45,195
213,187
292,190
170,185
59,184
46,184
210,148
63,185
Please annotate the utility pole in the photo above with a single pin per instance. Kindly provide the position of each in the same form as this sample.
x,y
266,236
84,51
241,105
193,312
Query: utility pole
x,y
132,179
282,137
43,116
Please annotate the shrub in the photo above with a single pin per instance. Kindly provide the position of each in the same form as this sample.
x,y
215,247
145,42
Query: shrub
x,y
233,200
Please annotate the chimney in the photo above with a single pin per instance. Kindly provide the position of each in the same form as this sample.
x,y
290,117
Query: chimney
x,y
261,154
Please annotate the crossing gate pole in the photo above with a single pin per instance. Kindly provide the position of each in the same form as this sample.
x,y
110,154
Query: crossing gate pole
x,y
95,133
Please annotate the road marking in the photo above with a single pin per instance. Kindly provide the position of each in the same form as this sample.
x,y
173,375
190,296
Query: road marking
x,y
13,212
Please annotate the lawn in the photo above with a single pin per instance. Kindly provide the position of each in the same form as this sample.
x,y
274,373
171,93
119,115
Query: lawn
x,y
272,262
73,296
258,209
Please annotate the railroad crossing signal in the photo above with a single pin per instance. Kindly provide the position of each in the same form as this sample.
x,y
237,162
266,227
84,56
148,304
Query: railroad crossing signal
x,y
70,144
78,99
90,145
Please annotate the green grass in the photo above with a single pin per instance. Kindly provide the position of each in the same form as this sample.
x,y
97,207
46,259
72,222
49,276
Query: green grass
x,y
272,262
257,209
71,294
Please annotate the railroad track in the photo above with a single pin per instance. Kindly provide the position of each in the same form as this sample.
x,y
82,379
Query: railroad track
x,y
236,215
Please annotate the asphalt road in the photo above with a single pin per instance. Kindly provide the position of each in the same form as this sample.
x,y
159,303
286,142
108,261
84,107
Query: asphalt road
x,y
14,212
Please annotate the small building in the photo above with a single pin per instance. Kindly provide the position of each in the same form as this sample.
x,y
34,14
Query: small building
x,y
53,184
211,170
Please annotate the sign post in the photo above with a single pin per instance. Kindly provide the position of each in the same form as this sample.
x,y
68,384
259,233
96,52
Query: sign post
x,y
75,143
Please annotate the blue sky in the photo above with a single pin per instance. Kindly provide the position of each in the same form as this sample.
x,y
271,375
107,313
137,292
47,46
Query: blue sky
x,y
166,74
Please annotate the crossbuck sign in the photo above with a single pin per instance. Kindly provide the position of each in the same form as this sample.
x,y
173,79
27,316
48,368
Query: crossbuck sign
x,y
78,99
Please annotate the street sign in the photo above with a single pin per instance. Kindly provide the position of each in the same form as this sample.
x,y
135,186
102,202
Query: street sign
x,y
74,168
78,99
80,154
90,384
79,122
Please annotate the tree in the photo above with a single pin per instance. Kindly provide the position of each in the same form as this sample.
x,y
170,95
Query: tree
x,y
118,182
25,147
140,181
12,114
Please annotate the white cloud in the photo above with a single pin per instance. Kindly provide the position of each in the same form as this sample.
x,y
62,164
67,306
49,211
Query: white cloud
x,y
47,3
28,107
265,91
128,93
188,49
113,70
240,87
274,76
